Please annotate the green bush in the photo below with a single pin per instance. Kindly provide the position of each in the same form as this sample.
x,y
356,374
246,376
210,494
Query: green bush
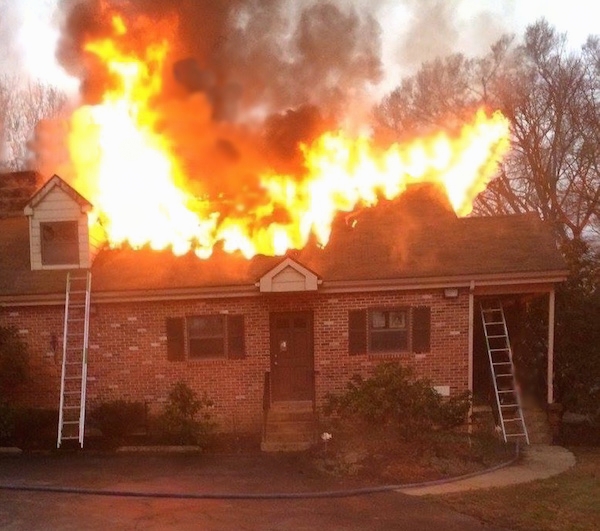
x,y
393,397
14,360
35,428
7,423
186,419
118,419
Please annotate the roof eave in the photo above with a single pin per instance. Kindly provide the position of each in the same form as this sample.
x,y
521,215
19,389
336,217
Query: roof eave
x,y
250,290
456,281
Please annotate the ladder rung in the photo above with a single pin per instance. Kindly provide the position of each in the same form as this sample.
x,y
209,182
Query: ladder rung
x,y
505,349
522,434
516,419
503,391
69,438
509,405
72,377
70,422
492,323
71,407
502,363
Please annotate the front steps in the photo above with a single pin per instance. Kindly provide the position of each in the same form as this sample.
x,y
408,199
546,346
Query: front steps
x,y
289,427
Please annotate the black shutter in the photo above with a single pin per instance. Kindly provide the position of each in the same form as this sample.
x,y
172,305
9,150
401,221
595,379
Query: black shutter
x,y
175,339
235,337
421,329
357,332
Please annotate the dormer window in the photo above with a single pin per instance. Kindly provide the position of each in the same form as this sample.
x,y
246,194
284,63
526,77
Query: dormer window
x,y
59,236
60,242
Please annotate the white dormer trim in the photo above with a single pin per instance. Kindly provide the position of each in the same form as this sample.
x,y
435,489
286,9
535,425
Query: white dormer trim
x,y
288,276
56,182
54,204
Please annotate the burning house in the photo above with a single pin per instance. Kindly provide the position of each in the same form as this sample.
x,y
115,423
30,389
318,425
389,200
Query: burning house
x,y
402,281
267,268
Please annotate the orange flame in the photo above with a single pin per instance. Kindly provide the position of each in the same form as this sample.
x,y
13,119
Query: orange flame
x,y
128,172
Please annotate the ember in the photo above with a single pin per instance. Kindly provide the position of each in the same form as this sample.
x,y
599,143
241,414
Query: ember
x,y
128,166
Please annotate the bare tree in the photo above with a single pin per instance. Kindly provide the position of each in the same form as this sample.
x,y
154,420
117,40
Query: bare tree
x,y
22,106
552,98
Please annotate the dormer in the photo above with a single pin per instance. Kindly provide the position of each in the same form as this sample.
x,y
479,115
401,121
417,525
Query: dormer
x,y
288,276
58,227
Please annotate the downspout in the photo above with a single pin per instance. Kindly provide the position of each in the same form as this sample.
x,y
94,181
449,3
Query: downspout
x,y
550,378
471,333
470,352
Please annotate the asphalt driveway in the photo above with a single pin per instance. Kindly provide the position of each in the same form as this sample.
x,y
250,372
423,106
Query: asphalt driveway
x,y
245,492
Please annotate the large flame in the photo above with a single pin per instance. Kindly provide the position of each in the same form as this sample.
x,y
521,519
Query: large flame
x,y
128,171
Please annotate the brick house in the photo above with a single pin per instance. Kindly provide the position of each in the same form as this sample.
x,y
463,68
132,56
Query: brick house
x,y
401,281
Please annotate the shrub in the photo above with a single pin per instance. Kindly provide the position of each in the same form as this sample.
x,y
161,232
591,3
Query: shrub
x,y
7,422
14,360
393,397
186,418
35,428
118,419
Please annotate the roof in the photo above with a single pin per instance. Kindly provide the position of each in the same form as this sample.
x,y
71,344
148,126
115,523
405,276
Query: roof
x,y
405,241
15,190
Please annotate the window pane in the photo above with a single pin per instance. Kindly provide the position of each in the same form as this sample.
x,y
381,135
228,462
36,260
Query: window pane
x,y
378,319
205,326
207,347
386,341
398,319
60,242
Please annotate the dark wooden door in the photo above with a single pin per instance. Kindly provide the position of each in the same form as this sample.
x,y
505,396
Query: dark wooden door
x,y
292,357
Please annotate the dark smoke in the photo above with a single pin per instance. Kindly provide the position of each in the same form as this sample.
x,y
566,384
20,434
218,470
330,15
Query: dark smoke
x,y
245,80
245,53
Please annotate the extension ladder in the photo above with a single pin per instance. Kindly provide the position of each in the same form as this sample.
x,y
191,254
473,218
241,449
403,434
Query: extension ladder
x,y
508,399
71,414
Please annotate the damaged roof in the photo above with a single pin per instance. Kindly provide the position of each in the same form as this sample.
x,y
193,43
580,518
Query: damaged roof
x,y
412,239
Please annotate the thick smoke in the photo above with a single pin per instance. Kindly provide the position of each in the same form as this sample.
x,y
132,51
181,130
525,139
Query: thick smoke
x,y
245,80
263,55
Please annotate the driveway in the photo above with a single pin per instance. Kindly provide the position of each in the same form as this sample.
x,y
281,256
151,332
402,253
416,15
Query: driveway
x,y
194,491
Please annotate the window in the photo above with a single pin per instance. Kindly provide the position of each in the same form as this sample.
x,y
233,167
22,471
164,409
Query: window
x,y
205,336
389,330
60,242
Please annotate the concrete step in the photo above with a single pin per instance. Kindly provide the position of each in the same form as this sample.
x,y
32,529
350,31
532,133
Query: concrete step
x,y
295,416
290,426
274,446
293,405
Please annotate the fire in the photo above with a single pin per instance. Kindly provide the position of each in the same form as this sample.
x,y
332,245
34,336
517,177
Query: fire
x,y
129,172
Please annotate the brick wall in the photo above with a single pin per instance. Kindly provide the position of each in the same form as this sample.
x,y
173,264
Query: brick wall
x,y
128,356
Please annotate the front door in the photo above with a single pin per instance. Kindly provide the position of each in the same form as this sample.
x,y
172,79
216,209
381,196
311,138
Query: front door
x,y
292,360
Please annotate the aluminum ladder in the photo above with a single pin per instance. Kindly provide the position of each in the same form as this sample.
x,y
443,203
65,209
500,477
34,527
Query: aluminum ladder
x,y
71,413
508,399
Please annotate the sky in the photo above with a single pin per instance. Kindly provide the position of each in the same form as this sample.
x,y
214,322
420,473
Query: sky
x,y
471,26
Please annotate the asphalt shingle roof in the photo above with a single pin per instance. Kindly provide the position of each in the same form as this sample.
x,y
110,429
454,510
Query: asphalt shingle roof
x,y
405,240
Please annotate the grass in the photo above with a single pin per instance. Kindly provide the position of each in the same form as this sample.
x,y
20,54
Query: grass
x,y
568,501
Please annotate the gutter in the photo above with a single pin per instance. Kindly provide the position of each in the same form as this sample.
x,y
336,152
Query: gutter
x,y
334,286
